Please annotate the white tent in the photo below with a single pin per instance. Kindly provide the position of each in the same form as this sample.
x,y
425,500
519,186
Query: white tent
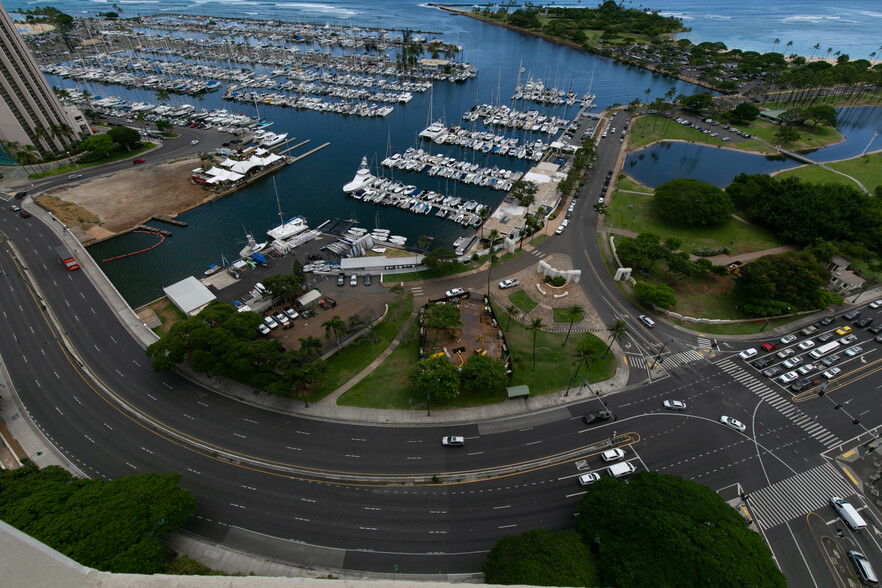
x,y
189,295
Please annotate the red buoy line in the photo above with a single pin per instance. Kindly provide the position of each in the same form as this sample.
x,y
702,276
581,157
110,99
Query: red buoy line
x,y
161,239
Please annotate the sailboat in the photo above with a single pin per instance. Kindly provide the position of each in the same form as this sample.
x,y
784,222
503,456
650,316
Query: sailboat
x,y
288,228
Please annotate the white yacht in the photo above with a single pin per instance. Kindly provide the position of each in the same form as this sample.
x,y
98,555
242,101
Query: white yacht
x,y
288,229
363,178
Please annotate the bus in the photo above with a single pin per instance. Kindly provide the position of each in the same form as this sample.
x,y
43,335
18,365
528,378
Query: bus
x,y
824,349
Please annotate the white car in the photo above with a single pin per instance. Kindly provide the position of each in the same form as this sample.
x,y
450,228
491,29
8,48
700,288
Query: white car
x,y
586,479
788,377
510,283
852,351
805,369
612,455
292,314
788,339
784,353
674,404
734,423
194,142
270,322
748,353
807,344
454,292
793,362
832,373
453,441
264,330
876,304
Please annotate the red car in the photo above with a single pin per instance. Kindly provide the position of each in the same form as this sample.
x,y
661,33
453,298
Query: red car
x,y
24,213
137,161
770,346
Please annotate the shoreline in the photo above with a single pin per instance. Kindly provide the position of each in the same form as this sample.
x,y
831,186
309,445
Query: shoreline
x,y
467,14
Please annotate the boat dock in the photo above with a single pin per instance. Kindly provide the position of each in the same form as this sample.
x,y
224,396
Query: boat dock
x,y
149,229
293,147
164,218
308,153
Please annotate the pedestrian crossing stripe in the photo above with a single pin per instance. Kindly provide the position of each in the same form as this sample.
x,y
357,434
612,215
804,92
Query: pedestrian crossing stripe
x,y
636,361
797,495
704,343
682,358
785,407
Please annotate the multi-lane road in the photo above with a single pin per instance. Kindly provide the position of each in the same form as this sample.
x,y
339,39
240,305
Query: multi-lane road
x,y
360,497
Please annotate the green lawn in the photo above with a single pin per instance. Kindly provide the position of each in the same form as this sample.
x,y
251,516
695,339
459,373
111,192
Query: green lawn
x,y
343,366
522,301
633,212
650,128
73,168
561,316
748,328
867,169
554,362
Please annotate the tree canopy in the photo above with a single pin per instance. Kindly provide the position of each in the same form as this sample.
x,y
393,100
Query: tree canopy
x,y
660,530
114,526
125,137
541,558
745,112
436,376
442,316
802,212
656,295
687,201
481,372
778,284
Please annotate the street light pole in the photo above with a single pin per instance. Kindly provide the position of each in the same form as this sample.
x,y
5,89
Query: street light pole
x,y
428,405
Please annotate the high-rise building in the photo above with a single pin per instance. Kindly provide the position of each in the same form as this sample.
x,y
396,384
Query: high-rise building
x,y
30,113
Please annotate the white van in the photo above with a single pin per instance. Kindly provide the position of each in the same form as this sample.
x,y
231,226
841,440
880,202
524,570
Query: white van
x,y
848,513
646,320
626,468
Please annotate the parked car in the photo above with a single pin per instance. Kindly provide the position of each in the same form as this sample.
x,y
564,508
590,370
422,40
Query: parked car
x,y
832,373
612,455
875,329
876,304
283,320
830,359
785,353
827,320
852,351
788,377
510,283
263,329
341,279
844,330
793,362
788,339
807,344
454,292
747,353
292,314
863,323
367,279
773,371
770,346
852,315
353,280
824,337
848,339
763,362
809,330
270,322
805,369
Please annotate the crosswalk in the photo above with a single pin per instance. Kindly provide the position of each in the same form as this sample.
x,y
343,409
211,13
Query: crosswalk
x,y
797,495
417,291
539,254
636,361
786,408
681,358
704,343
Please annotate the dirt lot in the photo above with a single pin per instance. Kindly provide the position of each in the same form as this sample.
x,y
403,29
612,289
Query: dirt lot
x,y
126,198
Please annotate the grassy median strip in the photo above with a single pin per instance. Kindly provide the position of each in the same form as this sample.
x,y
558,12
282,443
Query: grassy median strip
x,y
522,301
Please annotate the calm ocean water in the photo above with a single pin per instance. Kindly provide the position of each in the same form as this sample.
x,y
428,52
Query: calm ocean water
x,y
313,187
848,26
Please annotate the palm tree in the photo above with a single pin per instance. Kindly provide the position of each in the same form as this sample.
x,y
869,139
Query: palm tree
x,y
162,96
493,237
584,355
573,313
335,326
617,329
311,346
510,310
494,261
775,43
535,327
